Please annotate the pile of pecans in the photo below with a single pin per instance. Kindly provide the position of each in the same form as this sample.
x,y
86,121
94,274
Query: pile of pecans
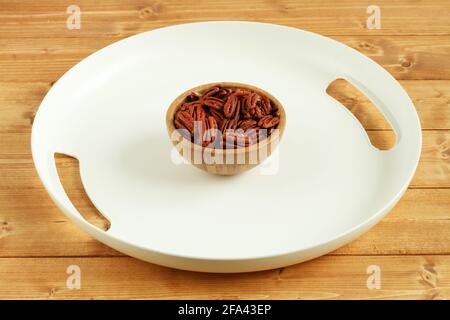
x,y
227,117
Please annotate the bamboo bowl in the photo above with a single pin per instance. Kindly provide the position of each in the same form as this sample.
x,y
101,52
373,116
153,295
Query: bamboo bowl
x,y
226,161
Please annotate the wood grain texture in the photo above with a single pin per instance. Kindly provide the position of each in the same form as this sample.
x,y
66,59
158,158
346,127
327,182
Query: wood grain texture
x,y
402,277
122,18
37,242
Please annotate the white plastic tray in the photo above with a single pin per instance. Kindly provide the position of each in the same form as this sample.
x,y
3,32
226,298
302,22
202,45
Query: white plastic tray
x,y
331,184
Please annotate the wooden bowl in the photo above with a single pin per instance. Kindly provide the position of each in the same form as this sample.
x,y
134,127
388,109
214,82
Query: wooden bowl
x,y
227,161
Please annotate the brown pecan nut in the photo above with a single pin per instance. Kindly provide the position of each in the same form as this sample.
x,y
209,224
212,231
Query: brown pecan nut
x,y
214,103
184,120
259,112
224,125
242,92
230,106
224,93
247,124
212,128
266,105
268,121
232,124
211,92
193,96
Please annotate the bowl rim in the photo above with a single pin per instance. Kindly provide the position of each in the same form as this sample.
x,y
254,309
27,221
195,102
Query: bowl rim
x,y
218,151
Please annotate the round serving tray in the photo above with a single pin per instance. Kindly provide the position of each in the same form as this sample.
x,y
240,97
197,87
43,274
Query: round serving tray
x,y
325,185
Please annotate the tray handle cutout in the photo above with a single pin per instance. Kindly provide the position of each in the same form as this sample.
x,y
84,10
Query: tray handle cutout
x,y
374,122
68,170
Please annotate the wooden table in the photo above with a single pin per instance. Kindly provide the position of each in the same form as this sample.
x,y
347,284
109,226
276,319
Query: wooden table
x,y
37,242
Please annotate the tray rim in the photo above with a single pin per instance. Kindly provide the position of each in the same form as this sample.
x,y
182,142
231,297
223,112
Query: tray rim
x,y
344,237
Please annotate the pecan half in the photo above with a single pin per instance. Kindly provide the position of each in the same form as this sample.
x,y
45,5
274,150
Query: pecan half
x,y
259,112
224,125
268,121
210,92
230,106
247,124
184,120
266,105
212,129
242,92
214,103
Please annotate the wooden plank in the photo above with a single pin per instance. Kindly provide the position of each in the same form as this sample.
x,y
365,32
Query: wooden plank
x,y
31,225
405,236
122,18
402,277
19,102
434,165
45,60
406,57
